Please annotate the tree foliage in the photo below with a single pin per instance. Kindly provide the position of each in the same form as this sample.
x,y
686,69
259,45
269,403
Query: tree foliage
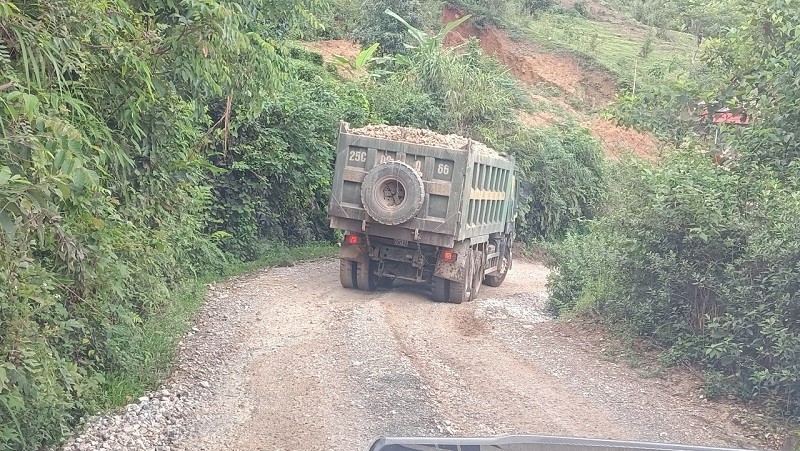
x,y
704,258
376,26
564,171
702,18
760,62
277,168
112,117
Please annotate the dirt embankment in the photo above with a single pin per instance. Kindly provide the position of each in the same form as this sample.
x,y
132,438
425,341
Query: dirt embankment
x,y
620,141
328,49
531,64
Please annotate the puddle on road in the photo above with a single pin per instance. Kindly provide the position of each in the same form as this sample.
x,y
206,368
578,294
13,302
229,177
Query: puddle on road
x,y
527,308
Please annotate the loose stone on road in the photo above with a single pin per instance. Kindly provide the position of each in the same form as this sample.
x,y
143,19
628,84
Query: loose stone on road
x,y
286,359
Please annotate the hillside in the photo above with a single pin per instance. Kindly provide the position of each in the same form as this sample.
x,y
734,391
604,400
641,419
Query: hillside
x,y
571,66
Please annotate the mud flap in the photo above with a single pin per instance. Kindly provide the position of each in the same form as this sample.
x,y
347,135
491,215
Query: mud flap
x,y
454,270
352,252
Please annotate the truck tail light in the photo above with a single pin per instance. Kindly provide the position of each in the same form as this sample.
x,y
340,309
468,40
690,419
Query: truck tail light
x,y
352,239
448,255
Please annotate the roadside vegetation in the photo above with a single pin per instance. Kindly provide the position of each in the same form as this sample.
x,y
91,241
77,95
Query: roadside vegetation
x,y
702,256
140,159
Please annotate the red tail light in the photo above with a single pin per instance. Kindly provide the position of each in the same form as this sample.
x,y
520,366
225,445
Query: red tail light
x,y
352,239
448,256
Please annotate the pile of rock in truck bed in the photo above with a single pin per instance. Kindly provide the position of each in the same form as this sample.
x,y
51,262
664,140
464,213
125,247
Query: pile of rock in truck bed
x,y
421,136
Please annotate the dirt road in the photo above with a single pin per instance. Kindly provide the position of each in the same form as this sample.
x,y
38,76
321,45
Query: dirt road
x,y
321,367
289,360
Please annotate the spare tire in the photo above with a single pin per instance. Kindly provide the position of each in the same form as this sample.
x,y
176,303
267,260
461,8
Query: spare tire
x,y
392,193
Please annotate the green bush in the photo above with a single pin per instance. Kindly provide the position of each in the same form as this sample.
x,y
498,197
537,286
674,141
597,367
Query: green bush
x,y
582,8
563,168
584,275
376,26
398,102
276,170
486,12
702,259
339,20
534,7
494,95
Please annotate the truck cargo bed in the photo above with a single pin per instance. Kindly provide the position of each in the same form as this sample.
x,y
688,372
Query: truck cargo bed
x,y
466,191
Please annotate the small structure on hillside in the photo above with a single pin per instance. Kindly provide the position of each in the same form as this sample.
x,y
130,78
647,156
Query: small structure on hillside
x,y
716,125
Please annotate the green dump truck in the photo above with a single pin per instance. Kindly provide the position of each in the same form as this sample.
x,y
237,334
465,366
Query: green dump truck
x,y
419,206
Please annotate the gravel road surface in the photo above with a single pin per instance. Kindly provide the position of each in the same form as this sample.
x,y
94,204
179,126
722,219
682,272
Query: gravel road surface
x,y
286,359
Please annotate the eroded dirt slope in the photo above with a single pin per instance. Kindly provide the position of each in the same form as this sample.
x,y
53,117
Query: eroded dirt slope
x,y
532,66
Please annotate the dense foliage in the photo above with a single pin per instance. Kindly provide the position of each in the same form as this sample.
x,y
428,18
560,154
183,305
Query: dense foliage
x,y
702,18
376,26
144,144
705,258
565,181
278,164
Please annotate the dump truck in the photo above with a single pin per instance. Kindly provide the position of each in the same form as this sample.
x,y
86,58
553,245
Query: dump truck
x,y
418,206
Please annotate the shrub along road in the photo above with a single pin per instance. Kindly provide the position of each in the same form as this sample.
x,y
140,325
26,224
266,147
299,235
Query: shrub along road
x,y
286,359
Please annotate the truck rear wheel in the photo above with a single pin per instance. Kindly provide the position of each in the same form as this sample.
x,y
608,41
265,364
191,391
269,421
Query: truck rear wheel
x,y
496,279
365,276
440,289
462,290
347,273
479,268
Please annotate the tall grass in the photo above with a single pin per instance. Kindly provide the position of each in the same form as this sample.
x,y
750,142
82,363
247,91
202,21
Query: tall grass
x,y
154,347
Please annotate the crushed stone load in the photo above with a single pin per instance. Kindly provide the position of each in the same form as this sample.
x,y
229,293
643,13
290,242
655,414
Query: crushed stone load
x,y
421,136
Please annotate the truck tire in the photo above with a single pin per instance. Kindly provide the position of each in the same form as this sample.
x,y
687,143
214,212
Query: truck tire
x,y
365,277
496,279
440,289
392,193
461,291
347,273
478,271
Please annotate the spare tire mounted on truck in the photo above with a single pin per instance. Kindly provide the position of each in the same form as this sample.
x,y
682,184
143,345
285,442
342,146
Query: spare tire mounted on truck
x,y
416,205
392,192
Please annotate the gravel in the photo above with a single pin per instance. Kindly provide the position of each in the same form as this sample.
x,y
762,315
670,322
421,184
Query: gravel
x,y
526,308
163,418
271,366
422,136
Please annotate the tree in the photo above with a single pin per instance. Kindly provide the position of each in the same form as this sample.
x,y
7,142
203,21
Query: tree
x,y
760,62
378,27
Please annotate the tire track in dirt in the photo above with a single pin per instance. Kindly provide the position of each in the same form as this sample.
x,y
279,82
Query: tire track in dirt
x,y
483,387
310,365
